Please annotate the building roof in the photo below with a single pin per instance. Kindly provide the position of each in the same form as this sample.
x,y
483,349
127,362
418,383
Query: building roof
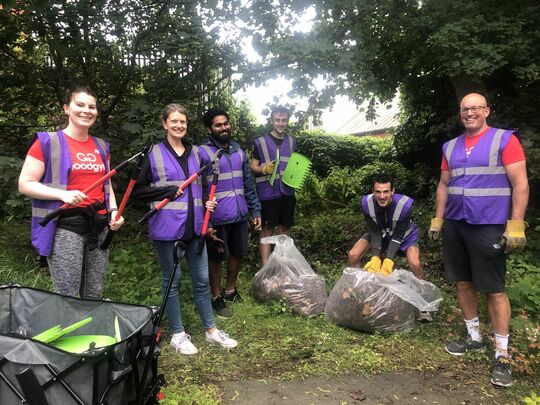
x,y
387,118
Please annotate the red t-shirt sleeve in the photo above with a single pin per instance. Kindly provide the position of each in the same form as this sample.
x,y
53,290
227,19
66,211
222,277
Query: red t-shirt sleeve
x,y
35,151
513,152
444,165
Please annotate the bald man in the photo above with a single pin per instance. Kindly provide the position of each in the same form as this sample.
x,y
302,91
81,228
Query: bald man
x,y
481,199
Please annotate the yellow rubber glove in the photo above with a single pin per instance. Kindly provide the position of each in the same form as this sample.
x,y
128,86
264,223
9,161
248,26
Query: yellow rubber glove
x,y
387,267
514,236
268,168
374,265
434,232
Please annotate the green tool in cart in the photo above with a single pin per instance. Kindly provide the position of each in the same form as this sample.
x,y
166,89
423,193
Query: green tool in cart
x,y
276,168
296,171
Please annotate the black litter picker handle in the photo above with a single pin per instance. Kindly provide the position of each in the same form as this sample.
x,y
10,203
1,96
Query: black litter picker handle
x,y
49,217
134,174
179,251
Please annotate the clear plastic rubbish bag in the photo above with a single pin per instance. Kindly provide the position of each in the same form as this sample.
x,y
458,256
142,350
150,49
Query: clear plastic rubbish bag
x,y
373,302
288,276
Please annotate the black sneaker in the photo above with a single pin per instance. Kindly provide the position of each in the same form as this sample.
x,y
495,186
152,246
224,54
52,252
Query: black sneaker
x,y
501,373
220,308
464,345
232,297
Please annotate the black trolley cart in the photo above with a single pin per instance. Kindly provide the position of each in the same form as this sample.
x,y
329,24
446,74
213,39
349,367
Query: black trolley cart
x,y
36,373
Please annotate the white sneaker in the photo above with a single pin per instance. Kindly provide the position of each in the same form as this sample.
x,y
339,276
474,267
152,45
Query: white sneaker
x,y
425,316
182,343
221,338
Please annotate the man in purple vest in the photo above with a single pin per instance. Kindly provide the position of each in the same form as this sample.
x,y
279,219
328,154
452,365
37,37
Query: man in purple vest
x,y
482,197
271,153
237,202
388,218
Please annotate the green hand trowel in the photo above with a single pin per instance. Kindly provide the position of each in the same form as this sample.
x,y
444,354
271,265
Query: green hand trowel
x,y
57,332
296,171
276,168
46,334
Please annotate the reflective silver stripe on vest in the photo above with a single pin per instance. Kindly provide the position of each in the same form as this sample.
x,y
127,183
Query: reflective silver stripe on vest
x,y
398,211
223,194
178,205
230,175
450,149
290,143
480,192
457,172
172,205
478,170
40,212
371,207
209,151
264,148
486,170
160,166
56,160
495,146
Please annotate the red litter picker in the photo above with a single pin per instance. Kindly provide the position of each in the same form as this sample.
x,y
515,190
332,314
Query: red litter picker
x,y
49,217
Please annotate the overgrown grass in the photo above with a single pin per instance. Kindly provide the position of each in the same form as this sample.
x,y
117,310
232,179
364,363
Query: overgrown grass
x,y
273,342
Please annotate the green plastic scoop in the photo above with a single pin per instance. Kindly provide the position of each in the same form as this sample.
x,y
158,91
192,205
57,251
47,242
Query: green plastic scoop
x,y
296,171
83,343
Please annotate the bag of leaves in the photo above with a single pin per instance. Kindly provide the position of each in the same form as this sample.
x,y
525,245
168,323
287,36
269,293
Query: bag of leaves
x,y
374,302
288,276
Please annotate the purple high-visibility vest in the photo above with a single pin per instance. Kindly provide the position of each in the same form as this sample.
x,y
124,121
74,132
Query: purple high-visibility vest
x,y
230,187
398,209
267,152
170,222
479,190
57,161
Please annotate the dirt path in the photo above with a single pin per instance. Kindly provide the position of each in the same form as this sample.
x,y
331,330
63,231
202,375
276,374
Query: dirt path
x,y
409,387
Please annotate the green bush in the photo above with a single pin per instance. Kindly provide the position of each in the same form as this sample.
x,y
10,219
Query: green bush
x,y
13,204
344,187
327,151
523,278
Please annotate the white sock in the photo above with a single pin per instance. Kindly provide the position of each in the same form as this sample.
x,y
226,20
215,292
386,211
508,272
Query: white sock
x,y
501,345
229,292
473,329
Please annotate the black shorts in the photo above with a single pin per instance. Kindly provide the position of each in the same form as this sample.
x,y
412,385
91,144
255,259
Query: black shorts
x,y
278,212
235,237
472,253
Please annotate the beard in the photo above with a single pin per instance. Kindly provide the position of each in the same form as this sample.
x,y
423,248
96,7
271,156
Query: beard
x,y
222,137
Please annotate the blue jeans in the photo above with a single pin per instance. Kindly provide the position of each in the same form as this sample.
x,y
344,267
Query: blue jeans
x,y
198,270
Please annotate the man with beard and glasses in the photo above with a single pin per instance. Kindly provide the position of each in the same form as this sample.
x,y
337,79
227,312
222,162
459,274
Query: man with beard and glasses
x,y
237,202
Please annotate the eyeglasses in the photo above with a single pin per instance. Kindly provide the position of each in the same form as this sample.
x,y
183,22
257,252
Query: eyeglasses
x,y
474,109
